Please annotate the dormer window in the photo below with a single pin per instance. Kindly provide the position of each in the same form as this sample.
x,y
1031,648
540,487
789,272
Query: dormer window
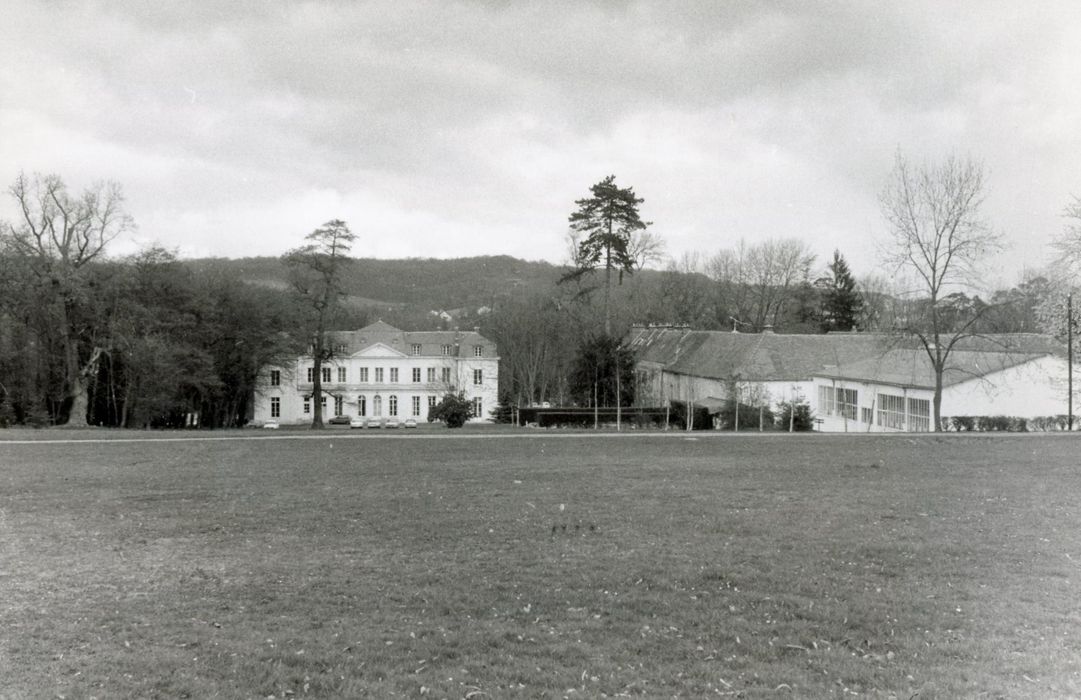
x,y
446,350
478,351
416,348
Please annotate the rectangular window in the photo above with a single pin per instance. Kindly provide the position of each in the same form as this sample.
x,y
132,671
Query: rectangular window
x,y
378,375
341,375
392,405
311,375
339,349
432,401
478,351
445,350
275,407
416,374
478,407
307,405
416,348
326,374
891,411
416,405
323,403
919,415
826,400
478,376
444,375
275,377
431,374
393,375
866,415
362,406
847,402
364,374
337,405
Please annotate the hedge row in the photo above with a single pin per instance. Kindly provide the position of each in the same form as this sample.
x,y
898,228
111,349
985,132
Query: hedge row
x,y
1012,424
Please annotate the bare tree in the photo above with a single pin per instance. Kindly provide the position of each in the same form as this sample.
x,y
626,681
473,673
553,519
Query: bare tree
x,y
775,269
646,248
937,235
59,234
315,272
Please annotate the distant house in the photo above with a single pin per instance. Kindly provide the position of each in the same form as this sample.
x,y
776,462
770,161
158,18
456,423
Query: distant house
x,y
842,375
380,371
893,392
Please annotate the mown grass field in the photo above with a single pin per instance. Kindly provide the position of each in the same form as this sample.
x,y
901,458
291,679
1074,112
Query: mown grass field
x,y
552,565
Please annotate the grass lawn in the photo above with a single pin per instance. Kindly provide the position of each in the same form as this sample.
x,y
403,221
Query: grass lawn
x,y
551,565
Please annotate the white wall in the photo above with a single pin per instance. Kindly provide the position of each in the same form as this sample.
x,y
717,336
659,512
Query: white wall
x,y
1036,388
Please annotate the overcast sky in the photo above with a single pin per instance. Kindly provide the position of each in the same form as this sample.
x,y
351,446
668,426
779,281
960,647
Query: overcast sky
x,y
448,129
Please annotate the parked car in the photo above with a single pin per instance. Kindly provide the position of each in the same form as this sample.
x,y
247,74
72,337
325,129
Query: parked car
x,y
340,420
271,424
375,423
409,423
392,422
358,422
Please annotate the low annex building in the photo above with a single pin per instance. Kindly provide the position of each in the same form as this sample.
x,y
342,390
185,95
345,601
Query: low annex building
x,y
894,391
383,371
853,381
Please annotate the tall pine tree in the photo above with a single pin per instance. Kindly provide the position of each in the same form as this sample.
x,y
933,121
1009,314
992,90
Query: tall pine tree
x,y
606,221
842,302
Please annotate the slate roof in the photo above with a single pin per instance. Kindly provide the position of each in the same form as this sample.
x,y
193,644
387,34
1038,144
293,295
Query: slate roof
x,y
431,342
912,368
782,357
751,356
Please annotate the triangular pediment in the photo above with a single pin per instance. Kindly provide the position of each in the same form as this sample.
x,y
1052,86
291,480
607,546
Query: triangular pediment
x,y
379,350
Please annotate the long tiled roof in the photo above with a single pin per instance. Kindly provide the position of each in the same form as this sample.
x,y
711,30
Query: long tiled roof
x,y
781,357
431,342
912,367
751,356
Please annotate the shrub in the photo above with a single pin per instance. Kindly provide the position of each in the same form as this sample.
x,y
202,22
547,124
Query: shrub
x,y
803,420
965,423
454,410
748,417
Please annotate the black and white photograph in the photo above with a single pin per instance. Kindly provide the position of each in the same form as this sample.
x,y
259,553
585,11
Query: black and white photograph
x,y
490,349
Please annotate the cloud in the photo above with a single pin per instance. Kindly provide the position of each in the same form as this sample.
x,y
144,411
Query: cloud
x,y
469,127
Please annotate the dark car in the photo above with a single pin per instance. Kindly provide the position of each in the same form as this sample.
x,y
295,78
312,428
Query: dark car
x,y
339,420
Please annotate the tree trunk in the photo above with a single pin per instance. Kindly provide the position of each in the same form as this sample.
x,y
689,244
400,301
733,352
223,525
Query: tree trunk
x,y
937,401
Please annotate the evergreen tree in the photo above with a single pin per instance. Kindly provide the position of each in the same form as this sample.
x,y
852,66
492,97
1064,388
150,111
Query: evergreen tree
x,y
603,370
841,302
605,224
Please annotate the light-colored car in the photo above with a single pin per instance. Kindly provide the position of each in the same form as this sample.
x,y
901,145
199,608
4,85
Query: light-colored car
x,y
375,423
392,422
358,422
409,423
271,424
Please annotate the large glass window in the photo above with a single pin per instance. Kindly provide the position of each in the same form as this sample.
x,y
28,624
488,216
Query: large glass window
x,y
431,374
275,407
416,374
326,374
364,374
275,377
478,376
891,411
478,407
377,406
416,405
826,400
337,405
362,406
392,406
444,375
393,375
847,403
341,375
378,375
919,415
